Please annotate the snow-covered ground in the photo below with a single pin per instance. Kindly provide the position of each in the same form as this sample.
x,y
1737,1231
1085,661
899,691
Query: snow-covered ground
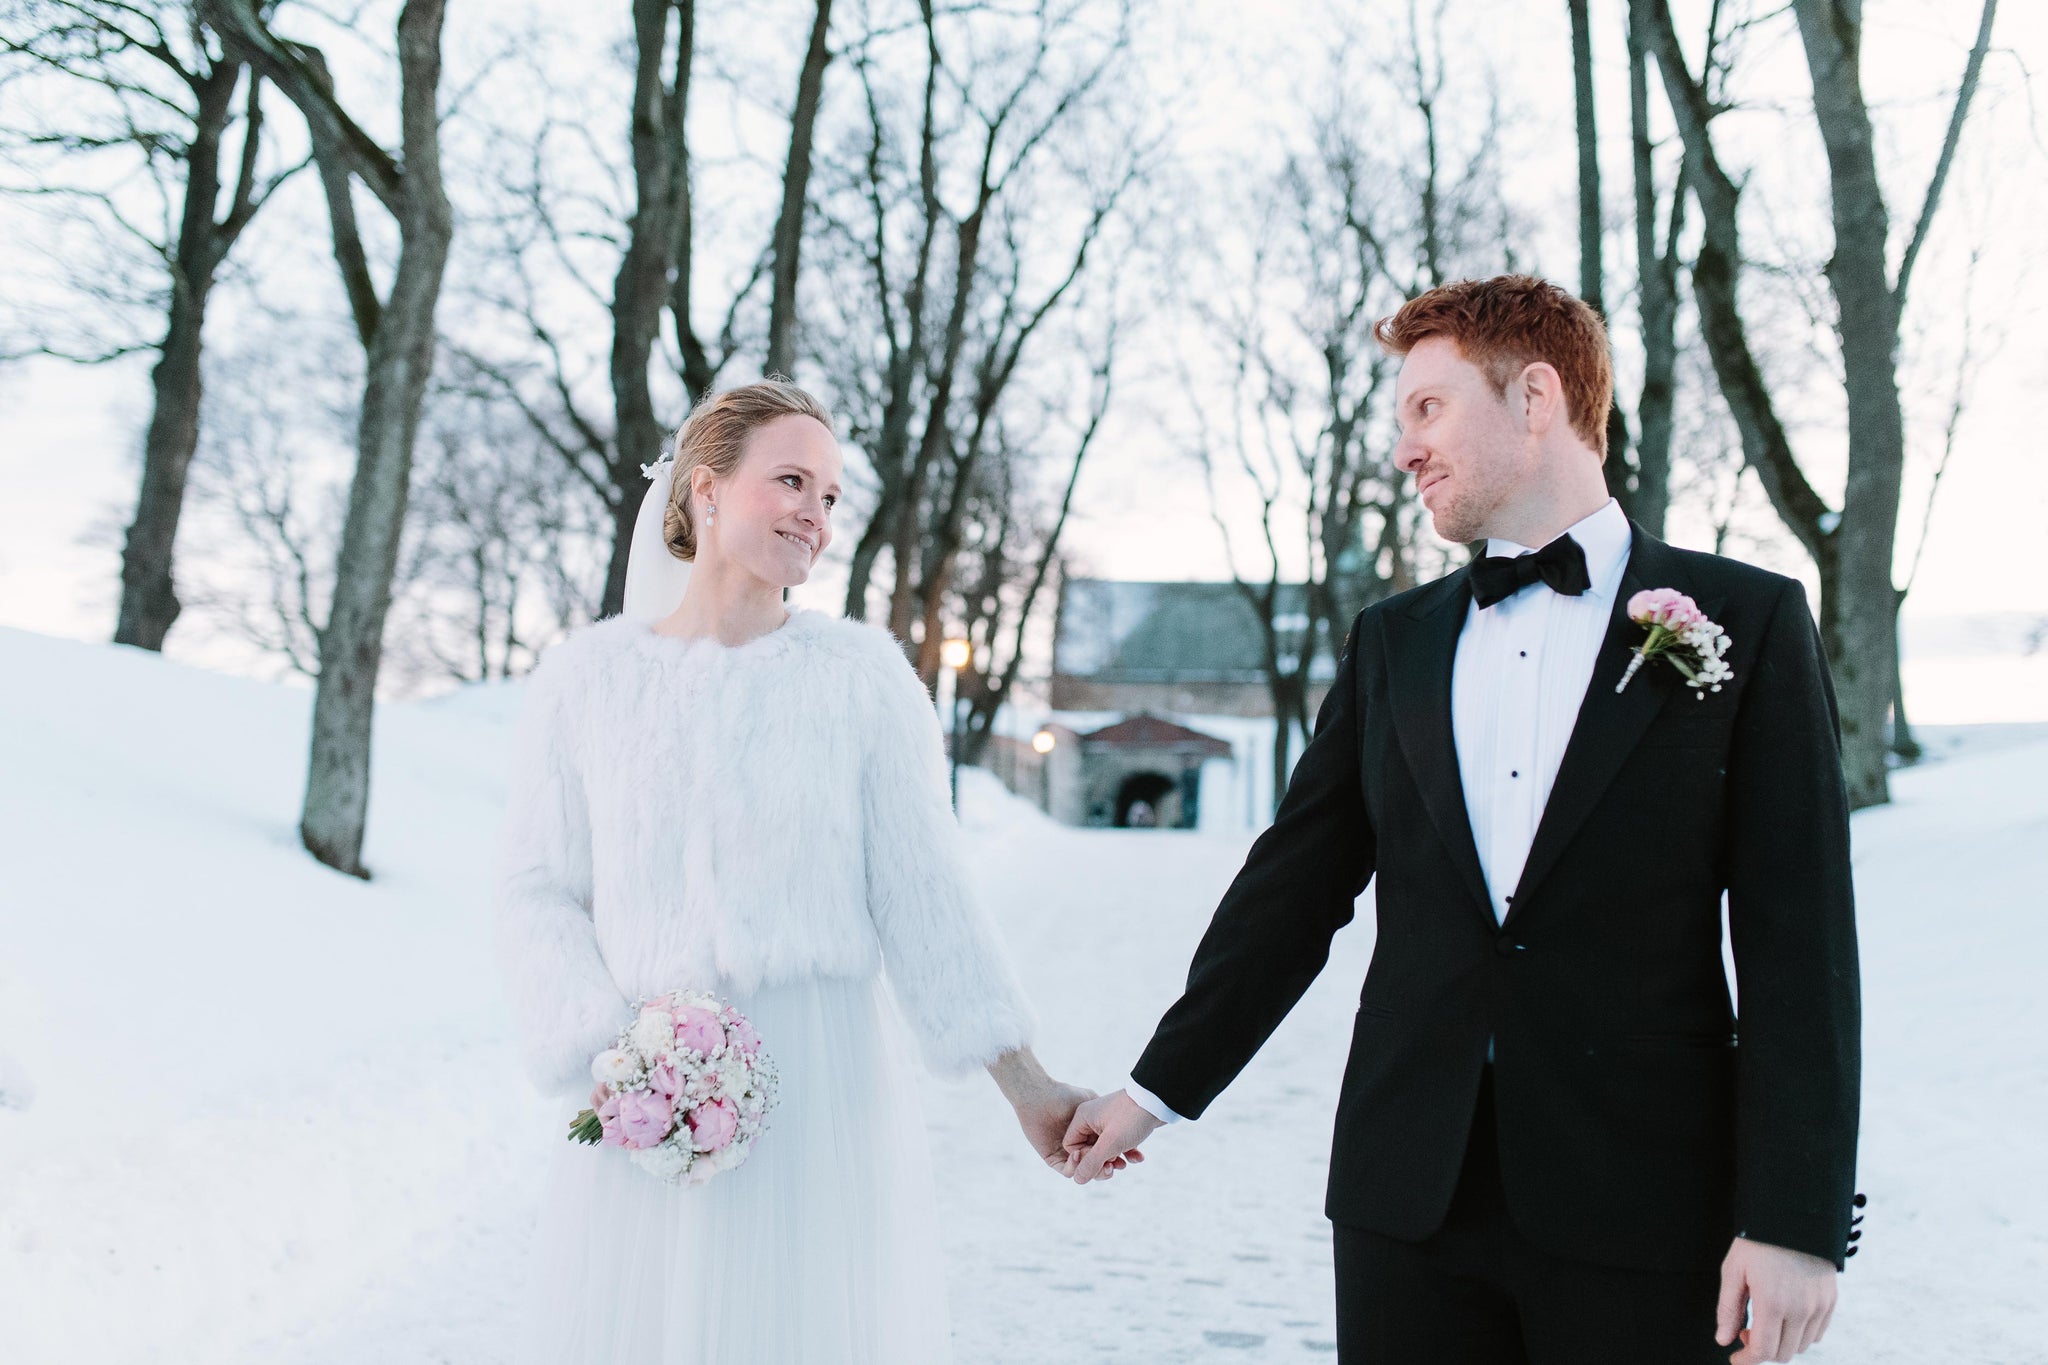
x,y
227,1132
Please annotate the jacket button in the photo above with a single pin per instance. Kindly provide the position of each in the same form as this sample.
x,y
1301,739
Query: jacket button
x,y
1507,947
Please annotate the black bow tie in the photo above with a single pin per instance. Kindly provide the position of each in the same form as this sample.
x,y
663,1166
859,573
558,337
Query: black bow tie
x,y
1561,564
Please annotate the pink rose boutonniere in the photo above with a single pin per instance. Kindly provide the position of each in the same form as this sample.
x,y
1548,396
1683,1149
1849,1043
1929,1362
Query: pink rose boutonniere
x,y
1682,636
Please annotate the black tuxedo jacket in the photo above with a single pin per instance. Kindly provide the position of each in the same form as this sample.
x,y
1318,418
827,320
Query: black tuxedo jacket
x,y
1636,1128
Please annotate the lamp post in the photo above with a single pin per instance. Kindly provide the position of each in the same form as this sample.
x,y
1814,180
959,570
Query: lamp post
x,y
956,654
1042,743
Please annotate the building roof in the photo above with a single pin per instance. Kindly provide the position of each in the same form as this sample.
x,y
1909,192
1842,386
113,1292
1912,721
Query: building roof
x,y
1120,631
1155,732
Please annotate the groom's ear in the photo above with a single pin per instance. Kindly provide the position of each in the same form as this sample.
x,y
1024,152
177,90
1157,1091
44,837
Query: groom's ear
x,y
1542,393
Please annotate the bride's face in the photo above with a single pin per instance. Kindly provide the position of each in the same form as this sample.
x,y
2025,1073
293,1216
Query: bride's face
x,y
775,511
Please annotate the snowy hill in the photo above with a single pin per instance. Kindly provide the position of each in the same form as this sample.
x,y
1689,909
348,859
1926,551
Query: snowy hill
x,y
228,1132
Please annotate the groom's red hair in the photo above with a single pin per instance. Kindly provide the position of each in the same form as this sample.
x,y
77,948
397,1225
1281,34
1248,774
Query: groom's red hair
x,y
1509,322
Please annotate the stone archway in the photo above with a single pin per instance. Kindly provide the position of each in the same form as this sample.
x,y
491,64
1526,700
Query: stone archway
x,y
1150,794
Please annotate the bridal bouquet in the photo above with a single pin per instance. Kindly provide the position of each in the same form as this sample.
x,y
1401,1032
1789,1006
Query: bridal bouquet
x,y
685,1089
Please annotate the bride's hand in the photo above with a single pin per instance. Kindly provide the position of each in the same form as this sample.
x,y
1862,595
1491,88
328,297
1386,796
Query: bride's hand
x,y
1044,1106
1045,1119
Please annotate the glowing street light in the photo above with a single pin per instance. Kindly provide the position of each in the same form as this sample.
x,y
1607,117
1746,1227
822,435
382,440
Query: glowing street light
x,y
956,654
1043,743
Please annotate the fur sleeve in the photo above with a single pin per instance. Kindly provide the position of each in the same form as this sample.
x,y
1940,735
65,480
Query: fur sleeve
x,y
565,1004
944,957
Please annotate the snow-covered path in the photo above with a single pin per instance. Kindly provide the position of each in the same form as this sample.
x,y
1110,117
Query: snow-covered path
x,y
226,1132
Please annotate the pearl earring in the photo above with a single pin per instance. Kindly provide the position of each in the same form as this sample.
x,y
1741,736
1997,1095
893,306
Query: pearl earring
x,y
710,513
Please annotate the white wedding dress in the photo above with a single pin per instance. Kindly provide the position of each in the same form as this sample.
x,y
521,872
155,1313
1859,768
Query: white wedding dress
x,y
769,822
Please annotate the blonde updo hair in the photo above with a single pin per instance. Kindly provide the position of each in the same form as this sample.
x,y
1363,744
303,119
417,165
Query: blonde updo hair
x,y
715,436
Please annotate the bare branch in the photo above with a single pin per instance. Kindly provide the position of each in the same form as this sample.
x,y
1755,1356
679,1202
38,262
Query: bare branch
x,y
1972,69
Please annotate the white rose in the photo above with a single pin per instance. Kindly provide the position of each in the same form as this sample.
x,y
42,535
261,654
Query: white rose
x,y
614,1068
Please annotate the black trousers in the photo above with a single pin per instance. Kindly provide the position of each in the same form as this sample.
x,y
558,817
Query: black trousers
x,y
1475,1292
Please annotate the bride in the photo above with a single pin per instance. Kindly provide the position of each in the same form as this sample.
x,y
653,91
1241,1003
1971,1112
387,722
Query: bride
x,y
720,794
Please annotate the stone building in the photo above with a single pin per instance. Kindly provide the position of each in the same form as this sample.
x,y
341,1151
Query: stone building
x,y
1161,715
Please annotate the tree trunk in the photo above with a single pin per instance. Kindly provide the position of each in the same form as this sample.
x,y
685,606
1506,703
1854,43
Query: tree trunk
x,y
149,600
1716,269
861,571
1867,605
395,383
796,177
640,289
624,514
1657,293
1904,743
937,435
1591,284
891,454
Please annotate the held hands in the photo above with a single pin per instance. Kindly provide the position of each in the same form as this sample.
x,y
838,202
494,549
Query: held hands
x,y
1045,1107
1790,1296
1105,1133
1045,1119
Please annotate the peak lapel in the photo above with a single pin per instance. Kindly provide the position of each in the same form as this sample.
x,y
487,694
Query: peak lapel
x,y
1609,724
1422,646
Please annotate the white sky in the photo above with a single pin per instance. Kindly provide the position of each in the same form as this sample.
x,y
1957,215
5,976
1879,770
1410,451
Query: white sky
x,y
68,436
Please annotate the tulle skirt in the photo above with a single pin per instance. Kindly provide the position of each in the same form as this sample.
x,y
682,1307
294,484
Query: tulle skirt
x,y
822,1248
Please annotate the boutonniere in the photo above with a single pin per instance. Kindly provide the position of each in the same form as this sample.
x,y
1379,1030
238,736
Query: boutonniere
x,y
1682,636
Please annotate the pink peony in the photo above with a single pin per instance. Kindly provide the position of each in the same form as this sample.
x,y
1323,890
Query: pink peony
x,y
712,1125
644,1117
698,1030
608,1118
742,1036
1665,607
666,1079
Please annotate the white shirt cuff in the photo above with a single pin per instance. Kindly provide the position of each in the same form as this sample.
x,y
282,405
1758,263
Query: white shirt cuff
x,y
1150,1102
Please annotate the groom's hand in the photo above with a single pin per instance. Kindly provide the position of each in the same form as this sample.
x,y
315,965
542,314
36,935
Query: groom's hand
x,y
1044,1106
1045,1114
1103,1134
1790,1296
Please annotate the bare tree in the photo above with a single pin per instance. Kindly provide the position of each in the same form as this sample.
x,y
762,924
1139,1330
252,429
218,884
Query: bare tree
x,y
1657,298
1852,547
503,549
496,561
926,404
1970,357
1592,233
398,338
1012,558
269,483
787,246
1381,203
656,249
147,81
551,232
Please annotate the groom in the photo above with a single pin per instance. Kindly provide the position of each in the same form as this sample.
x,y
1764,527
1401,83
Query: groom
x,y
1553,1142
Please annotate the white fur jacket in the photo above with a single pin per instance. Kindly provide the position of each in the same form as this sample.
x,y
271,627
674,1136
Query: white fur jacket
x,y
686,814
